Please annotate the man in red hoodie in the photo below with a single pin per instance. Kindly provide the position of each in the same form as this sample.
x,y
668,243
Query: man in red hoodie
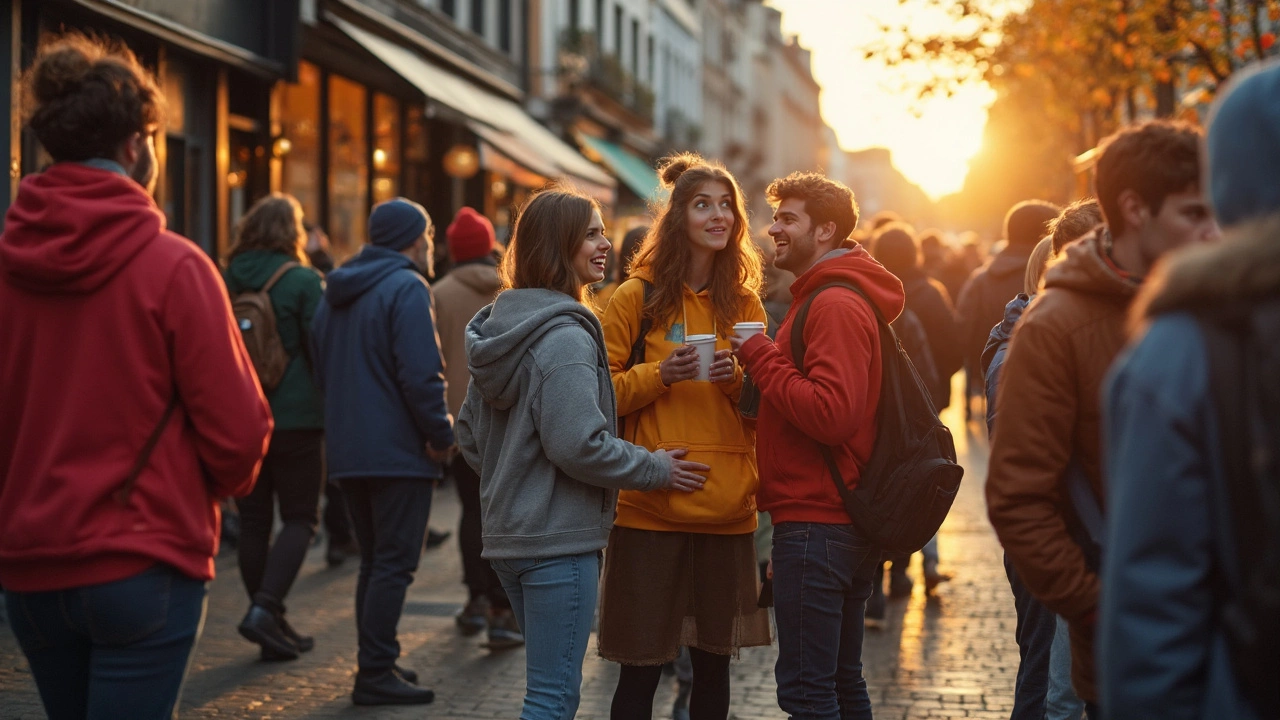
x,y
822,568
130,404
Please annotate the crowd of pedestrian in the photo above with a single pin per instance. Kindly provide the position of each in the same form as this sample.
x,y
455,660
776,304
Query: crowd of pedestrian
x,y
624,427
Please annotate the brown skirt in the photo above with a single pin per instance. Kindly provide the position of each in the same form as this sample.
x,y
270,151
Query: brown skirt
x,y
663,590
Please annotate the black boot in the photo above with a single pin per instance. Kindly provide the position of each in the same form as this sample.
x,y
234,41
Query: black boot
x,y
260,626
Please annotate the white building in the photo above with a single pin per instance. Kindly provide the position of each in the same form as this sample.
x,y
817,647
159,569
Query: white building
x,y
677,81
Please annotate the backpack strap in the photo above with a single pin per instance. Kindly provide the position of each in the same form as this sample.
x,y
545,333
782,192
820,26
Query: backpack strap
x,y
646,324
126,489
279,273
798,348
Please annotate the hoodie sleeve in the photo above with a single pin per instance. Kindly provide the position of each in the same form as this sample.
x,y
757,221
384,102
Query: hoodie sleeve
x,y
828,402
419,370
575,433
641,384
215,379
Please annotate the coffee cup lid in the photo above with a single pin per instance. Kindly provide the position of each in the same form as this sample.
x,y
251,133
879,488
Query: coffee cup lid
x,y
749,325
700,339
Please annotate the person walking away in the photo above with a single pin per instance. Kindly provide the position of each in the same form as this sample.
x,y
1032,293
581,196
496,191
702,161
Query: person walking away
x,y
697,275
1043,685
539,426
1048,434
390,432
130,404
268,256
981,303
822,567
1191,548
472,284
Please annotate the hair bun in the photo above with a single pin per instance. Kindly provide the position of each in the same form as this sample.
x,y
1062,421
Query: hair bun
x,y
671,168
61,72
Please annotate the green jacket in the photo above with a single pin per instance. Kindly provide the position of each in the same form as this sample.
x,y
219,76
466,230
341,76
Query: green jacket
x,y
296,402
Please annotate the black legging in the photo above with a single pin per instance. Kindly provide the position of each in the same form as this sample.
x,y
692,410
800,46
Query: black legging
x,y
633,699
293,473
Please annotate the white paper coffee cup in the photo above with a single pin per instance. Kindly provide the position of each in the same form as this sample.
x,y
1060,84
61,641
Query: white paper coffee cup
x,y
706,347
745,330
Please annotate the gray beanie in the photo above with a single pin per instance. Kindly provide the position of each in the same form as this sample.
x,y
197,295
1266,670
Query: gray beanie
x,y
1243,146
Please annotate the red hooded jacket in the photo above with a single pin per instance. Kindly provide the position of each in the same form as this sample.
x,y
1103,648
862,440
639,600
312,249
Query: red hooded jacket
x,y
103,316
834,403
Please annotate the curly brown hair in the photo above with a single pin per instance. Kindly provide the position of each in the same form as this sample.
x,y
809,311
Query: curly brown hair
x,y
1155,159
84,96
273,224
825,200
737,272
1074,221
548,232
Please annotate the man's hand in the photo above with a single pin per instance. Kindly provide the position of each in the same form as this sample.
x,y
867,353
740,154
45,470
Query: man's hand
x,y
444,457
722,367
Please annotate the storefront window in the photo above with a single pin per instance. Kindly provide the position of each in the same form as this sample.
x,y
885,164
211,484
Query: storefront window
x,y
348,167
300,117
415,154
386,148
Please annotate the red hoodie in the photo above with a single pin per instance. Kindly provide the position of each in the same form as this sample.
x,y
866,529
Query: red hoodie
x,y
834,403
103,313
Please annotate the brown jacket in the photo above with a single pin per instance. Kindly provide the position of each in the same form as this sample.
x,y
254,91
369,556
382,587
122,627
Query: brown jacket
x,y
1049,408
459,296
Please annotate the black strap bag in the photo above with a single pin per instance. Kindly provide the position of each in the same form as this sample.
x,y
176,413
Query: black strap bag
x,y
911,479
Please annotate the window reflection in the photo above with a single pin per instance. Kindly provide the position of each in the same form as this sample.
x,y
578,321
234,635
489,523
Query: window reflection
x,y
300,117
386,148
348,167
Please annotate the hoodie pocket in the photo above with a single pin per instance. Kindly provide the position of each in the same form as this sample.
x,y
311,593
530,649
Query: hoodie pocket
x,y
729,494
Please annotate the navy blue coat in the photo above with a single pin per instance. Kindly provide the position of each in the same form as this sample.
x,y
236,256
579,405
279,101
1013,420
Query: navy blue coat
x,y
378,364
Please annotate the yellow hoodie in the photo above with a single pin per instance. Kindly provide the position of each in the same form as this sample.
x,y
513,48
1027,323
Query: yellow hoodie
x,y
700,416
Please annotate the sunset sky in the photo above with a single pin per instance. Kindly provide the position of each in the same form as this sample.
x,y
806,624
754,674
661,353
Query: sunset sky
x,y
862,101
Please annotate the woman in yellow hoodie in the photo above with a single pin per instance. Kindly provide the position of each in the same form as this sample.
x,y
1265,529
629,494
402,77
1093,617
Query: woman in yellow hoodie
x,y
681,571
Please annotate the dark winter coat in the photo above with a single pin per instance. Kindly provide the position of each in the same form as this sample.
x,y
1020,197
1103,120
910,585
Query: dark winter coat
x,y
928,299
981,303
378,364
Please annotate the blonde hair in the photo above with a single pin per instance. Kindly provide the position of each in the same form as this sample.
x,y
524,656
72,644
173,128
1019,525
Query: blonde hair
x,y
1037,263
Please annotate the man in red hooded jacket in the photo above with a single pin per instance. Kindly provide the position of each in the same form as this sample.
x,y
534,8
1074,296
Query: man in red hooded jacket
x,y
822,568
130,404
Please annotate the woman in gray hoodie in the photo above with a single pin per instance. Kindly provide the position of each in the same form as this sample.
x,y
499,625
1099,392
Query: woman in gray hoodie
x,y
539,426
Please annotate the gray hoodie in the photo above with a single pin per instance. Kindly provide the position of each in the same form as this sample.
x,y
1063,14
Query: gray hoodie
x,y
539,425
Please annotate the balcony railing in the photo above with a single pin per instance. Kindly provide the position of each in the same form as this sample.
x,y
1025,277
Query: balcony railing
x,y
580,61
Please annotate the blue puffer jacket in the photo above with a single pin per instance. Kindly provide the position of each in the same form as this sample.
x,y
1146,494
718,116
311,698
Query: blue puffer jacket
x,y
378,364
997,345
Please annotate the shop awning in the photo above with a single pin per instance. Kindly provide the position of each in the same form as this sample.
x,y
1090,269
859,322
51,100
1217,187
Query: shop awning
x,y
505,124
634,172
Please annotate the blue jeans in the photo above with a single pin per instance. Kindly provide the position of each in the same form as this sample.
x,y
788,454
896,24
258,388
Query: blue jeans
x,y
554,601
1034,633
1061,702
821,579
389,516
114,650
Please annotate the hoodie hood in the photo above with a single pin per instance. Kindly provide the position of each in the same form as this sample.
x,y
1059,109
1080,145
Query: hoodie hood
x,y
362,273
479,276
854,266
1083,269
249,271
500,335
1003,331
73,227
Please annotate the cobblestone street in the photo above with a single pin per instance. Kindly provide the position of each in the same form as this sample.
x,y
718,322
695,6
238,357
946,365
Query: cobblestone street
x,y
950,657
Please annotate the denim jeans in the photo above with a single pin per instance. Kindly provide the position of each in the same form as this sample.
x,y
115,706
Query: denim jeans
x,y
114,650
554,601
389,516
822,578
1034,633
1061,702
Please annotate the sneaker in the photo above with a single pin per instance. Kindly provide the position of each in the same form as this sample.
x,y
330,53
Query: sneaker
x,y
504,631
474,617
932,579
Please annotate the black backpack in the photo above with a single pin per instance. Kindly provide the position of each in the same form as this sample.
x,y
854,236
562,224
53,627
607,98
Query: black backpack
x,y
911,479
1244,351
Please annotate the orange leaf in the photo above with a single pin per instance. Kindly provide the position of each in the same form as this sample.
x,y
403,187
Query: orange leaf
x,y
1268,40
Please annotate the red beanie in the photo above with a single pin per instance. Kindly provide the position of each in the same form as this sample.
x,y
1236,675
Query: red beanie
x,y
470,236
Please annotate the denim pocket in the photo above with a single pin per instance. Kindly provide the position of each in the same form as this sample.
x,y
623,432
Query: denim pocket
x,y
851,562
126,611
